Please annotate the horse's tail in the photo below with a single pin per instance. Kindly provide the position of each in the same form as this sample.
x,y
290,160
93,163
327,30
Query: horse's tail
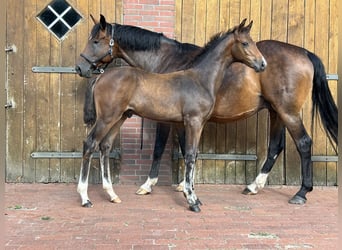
x,y
322,99
89,112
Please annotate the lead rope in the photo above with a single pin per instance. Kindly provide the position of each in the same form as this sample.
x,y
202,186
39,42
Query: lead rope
x,y
142,133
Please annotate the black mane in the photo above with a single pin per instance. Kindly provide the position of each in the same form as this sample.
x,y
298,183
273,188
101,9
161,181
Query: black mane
x,y
139,39
135,38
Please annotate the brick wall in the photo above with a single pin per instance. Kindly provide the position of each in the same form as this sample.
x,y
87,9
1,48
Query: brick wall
x,y
158,16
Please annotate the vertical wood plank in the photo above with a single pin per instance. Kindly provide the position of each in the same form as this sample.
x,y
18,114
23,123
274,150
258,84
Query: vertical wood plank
x,y
14,115
43,102
178,19
220,165
265,19
200,23
54,109
231,149
68,105
321,49
332,68
30,86
224,15
188,21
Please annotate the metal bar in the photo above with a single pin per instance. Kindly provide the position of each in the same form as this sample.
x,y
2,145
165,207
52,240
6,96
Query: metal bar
x,y
332,77
232,157
52,69
55,69
324,158
67,155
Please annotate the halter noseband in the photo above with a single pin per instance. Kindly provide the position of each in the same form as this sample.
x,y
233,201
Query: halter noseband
x,y
109,53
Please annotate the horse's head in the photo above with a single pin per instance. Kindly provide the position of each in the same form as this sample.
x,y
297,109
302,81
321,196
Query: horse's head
x,y
245,50
100,49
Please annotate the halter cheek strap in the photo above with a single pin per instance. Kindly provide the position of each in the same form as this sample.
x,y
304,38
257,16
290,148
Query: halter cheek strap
x,y
109,53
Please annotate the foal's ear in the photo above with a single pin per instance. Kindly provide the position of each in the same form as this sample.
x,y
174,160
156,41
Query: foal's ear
x,y
242,24
103,23
92,18
249,26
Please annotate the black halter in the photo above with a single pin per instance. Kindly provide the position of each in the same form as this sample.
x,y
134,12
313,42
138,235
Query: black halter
x,y
109,53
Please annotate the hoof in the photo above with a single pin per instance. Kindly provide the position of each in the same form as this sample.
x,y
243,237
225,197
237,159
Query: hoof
x,y
198,202
142,191
298,200
88,204
116,200
195,208
248,192
179,188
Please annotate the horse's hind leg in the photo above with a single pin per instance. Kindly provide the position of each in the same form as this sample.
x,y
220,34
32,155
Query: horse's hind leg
x,y
162,133
105,148
303,143
276,145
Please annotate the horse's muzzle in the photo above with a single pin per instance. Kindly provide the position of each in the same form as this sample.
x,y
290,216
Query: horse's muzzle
x,y
81,71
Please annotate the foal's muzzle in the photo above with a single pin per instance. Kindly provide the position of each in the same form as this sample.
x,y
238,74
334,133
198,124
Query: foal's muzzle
x,y
260,65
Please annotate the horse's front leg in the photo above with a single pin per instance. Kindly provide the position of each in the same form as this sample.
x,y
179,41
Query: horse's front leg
x,y
193,130
275,147
162,133
105,148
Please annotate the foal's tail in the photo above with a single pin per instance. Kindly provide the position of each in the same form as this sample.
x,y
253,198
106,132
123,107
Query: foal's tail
x,y
322,99
89,112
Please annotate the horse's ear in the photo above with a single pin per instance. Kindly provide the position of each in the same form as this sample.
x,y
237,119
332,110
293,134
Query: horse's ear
x,y
94,20
103,23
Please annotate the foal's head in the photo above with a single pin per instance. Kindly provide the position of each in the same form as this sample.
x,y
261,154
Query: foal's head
x,y
244,48
100,49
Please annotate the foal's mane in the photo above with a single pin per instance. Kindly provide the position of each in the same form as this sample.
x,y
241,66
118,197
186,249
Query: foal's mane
x,y
209,46
139,39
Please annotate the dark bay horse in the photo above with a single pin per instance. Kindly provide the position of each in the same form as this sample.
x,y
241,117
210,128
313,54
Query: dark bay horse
x,y
282,88
186,97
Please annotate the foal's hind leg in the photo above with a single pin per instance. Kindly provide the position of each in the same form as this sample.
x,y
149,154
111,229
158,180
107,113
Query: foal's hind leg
x,y
276,145
105,148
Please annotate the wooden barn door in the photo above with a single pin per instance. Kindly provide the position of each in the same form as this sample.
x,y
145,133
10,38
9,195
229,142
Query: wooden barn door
x,y
45,98
234,153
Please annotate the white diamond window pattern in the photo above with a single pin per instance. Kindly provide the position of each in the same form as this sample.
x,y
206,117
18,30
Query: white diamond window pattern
x,y
59,17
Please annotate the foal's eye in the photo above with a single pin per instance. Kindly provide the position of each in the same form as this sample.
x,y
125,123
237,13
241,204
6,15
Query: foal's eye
x,y
96,41
245,44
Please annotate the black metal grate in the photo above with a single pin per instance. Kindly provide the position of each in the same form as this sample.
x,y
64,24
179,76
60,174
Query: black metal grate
x,y
59,17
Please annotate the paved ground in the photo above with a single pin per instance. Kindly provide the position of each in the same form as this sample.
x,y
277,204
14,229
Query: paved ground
x,y
49,216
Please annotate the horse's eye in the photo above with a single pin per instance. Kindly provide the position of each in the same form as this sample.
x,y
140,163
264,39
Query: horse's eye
x,y
96,41
245,44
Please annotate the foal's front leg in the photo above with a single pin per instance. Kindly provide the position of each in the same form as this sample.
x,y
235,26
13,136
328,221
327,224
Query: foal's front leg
x,y
193,130
82,187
